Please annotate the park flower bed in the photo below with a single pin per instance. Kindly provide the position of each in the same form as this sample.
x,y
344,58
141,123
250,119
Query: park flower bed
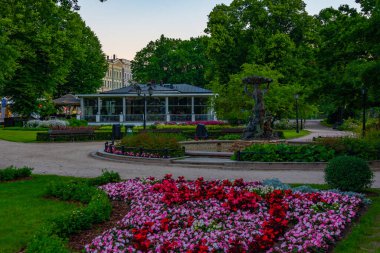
x,y
222,216
144,154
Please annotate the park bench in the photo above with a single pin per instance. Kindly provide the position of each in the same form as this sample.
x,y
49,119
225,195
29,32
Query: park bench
x,y
71,134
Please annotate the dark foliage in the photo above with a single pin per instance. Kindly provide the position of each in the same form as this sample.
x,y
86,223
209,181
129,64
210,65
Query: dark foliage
x,y
348,174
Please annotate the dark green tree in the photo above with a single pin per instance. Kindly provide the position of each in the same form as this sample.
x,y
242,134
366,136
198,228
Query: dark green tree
x,y
88,65
348,58
172,61
44,39
278,33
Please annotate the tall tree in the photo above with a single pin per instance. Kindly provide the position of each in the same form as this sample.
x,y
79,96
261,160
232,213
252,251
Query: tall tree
x,y
267,32
346,53
172,61
45,38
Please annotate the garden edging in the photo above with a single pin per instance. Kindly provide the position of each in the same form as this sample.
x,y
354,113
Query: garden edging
x,y
224,163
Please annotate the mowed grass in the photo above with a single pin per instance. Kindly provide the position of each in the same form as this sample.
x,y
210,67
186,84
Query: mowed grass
x,y
24,210
291,134
365,235
17,135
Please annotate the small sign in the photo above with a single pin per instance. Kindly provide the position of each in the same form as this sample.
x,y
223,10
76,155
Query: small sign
x,y
4,102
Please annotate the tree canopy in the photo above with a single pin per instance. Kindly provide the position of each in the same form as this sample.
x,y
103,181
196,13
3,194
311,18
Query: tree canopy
x,y
47,49
172,61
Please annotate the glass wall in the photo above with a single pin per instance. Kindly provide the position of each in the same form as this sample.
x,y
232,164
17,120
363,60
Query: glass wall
x,y
155,105
112,106
90,106
178,105
200,106
135,106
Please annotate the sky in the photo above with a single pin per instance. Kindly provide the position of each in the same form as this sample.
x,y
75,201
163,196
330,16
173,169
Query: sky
x,y
124,27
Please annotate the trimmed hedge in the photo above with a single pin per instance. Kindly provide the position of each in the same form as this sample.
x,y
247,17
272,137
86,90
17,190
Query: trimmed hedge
x,y
98,136
13,173
212,133
285,153
367,149
157,143
53,237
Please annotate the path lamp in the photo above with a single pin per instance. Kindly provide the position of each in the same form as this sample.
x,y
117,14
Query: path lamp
x,y
148,91
364,96
296,97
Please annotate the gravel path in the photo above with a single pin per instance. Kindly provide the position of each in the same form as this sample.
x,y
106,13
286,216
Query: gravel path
x,y
72,159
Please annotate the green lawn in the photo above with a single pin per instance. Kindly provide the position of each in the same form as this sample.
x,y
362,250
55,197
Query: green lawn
x,y
23,210
19,135
291,134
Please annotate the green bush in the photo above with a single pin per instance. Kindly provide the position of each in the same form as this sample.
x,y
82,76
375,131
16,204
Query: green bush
x,y
285,153
105,178
154,142
230,137
285,124
76,190
44,242
348,173
98,136
97,211
77,122
12,173
367,149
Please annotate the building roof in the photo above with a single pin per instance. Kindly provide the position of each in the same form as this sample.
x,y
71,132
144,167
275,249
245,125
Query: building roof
x,y
162,89
67,99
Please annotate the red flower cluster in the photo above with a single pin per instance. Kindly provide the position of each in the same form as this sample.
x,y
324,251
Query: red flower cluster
x,y
177,192
243,200
276,224
140,241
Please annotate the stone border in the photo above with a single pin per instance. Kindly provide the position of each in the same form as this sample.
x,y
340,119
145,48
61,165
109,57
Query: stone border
x,y
222,163
114,157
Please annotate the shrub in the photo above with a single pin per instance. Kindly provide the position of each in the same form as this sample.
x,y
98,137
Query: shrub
x,y
98,210
77,122
99,136
153,142
75,190
44,242
12,173
230,137
368,149
46,123
284,124
348,173
105,178
286,153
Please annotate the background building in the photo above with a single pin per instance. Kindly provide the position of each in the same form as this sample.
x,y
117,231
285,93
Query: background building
x,y
155,103
118,74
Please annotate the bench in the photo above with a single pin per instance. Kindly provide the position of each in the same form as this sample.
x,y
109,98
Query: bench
x,y
72,134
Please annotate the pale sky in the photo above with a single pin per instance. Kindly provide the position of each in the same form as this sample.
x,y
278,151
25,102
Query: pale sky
x,y
124,27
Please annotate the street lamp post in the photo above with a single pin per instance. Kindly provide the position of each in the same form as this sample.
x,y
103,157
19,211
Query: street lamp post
x,y
139,93
296,96
364,93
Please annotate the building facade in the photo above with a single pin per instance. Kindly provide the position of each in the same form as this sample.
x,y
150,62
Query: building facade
x,y
118,75
154,103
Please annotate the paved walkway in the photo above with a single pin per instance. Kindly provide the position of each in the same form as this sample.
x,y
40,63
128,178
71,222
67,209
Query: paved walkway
x,y
72,159
317,130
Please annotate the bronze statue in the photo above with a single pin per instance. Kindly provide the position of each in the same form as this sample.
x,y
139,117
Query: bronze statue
x,y
259,125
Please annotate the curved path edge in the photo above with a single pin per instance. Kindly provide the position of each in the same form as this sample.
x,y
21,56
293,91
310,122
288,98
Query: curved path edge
x,y
221,163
